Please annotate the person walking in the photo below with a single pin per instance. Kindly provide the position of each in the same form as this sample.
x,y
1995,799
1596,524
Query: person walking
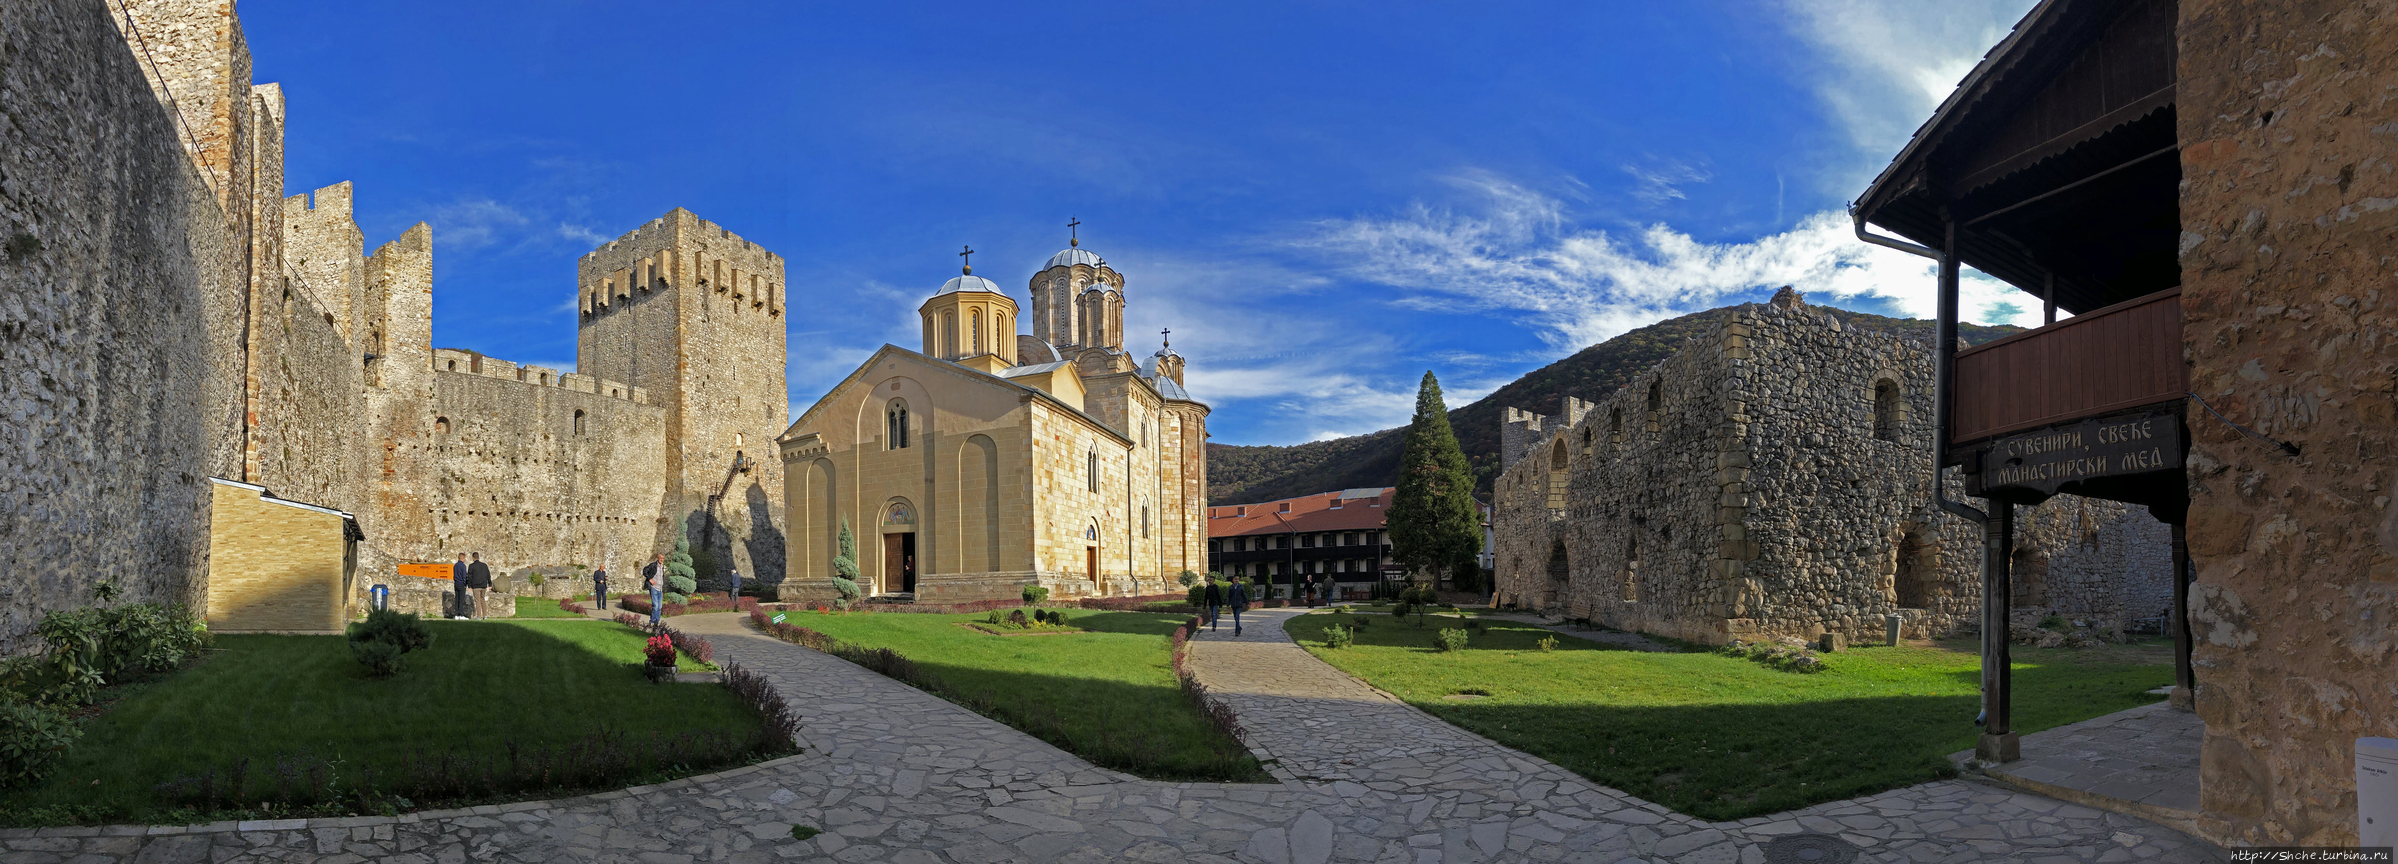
x,y
478,580
599,585
655,576
1215,601
1240,601
458,588
736,576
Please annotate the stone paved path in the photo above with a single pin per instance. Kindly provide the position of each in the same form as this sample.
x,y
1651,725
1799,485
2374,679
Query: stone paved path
x,y
893,774
2143,762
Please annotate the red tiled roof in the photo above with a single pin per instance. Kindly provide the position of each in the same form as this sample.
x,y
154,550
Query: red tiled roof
x,y
1359,510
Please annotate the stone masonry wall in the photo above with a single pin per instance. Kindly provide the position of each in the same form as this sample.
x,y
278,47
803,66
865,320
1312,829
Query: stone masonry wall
x,y
116,255
530,474
2289,257
1746,487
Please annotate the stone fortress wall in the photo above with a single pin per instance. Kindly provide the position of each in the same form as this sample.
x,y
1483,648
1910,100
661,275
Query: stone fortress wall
x,y
1768,480
120,265
534,467
181,320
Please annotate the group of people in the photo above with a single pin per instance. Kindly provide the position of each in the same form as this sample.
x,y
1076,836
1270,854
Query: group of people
x,y
471,581
653,578
470,584
1216,597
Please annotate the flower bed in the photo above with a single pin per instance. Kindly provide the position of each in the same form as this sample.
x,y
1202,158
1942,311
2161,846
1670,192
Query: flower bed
x,y
696,647
639,604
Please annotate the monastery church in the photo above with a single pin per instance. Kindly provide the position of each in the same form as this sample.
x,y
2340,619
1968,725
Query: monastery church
x,y
990,461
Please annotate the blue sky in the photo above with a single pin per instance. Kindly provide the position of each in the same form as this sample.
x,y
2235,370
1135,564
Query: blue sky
x,y
1323,200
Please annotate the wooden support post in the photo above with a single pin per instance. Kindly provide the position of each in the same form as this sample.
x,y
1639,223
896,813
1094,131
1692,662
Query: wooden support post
x,y
2185,683
1999,743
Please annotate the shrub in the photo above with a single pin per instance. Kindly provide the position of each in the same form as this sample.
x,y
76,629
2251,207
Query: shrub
x,y
1547,643
1187,579
845,568
992,618
1337,636
1035,593
1016,619
381,659
658,651
536,579
674,599
680,577
31,738
1451,639
401,630
1197,596
89,647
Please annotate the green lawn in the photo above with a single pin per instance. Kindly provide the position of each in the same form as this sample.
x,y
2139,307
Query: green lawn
x,y
1721,737
302,700
1107,694
543,607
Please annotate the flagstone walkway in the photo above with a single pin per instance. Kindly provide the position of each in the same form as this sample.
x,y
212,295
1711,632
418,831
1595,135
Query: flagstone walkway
x,y
894,774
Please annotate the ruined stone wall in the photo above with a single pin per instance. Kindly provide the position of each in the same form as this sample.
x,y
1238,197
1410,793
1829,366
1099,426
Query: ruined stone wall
x,y
534,474
396,511
1753,485
117,259
2289,210
310,396
694,314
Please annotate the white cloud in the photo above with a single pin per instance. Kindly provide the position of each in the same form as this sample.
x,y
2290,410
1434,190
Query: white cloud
x,y
1519,256
473,223
1659,182
582,234
1887,64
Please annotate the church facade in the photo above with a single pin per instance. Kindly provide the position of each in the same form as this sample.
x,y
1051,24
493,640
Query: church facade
x,y
989,461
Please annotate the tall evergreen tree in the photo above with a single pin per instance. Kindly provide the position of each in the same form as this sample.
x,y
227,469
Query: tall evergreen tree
x,y
845,568
1434,526
680,578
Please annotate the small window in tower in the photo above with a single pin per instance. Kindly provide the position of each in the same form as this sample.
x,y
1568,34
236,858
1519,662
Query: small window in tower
x,y
441,425
736,439
578,421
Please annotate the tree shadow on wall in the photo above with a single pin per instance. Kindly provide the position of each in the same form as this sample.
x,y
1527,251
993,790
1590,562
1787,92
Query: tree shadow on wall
x,y
765,540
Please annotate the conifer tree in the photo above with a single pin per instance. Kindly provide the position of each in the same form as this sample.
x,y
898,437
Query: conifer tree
x,y
680,577
1433,524
845,568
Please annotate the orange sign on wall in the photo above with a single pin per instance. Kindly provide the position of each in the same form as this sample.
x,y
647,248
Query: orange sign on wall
x,y
429,571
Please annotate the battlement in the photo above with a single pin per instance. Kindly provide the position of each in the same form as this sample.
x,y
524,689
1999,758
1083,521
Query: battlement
x,y
1518,429
463,362
680,250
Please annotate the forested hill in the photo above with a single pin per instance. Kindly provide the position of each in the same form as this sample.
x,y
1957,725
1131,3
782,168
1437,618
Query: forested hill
x,y
1239,474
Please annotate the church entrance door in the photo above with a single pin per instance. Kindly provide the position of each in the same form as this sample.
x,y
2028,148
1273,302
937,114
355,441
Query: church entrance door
x,y
1090,566
899,563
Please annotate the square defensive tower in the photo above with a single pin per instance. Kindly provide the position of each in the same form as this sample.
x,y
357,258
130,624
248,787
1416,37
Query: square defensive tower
x,y
693,313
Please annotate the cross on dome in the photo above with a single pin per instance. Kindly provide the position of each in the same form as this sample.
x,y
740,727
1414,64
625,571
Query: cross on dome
x,y
1073,234
968,255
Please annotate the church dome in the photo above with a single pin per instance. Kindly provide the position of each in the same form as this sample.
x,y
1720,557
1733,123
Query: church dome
x,y
1071,257
968,282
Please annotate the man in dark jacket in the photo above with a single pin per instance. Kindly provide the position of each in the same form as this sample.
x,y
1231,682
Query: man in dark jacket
x,y
1240,601
478,580
1214,596
736,577
654,576
599,585
458,587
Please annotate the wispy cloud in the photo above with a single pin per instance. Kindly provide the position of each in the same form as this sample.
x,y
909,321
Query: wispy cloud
x,y
1660,181
581,234
1519,255
1886,64
474,223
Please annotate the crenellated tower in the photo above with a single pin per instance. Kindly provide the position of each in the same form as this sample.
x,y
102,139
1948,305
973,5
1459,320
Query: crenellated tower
x,y
692,312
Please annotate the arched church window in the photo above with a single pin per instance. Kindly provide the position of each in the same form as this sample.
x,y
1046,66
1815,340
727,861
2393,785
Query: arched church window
x,y
949,334
1144,520
1093,469
895,425
975,321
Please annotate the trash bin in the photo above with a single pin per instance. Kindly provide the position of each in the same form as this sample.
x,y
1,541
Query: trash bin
x,y
381,595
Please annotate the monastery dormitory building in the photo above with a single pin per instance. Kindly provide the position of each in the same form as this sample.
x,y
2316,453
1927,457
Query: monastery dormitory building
x,y
192,324
991,461
1335,539
1769,480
